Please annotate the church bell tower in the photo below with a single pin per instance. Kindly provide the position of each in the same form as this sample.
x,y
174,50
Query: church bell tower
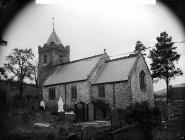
x,y
51,54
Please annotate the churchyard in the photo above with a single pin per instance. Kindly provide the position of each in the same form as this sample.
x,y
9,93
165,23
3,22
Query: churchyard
x,y
34,123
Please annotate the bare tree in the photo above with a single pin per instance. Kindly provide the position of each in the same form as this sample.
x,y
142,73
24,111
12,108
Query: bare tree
x,y
20,66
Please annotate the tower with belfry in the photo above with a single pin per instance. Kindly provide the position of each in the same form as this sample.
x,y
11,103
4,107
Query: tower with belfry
x,y
51,54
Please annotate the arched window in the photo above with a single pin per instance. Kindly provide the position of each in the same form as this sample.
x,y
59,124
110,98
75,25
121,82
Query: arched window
x,y
73,92
45,59
142,80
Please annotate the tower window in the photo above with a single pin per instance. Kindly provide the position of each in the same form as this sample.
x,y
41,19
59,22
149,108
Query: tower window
x,y
45,59
73,92
52,93
101,90
142,79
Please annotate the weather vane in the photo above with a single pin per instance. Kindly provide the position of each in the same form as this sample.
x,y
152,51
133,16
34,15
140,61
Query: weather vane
x,y
53,23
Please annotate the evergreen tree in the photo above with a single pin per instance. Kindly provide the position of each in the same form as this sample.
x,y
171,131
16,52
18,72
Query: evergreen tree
x,y
143,116
163,58
139,48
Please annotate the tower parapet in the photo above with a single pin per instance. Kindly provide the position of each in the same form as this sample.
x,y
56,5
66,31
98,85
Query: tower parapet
x,y
51,54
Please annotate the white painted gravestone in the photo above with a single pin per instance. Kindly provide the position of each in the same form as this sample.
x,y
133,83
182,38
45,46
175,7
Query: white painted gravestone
x,y
60,105
42,104
61,113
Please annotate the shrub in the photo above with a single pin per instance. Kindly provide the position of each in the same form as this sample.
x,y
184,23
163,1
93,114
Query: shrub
x,y
103,107
143,116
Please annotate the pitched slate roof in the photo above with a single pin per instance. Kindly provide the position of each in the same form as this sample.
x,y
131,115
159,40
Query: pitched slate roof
x,y
73,71
54,38
115,70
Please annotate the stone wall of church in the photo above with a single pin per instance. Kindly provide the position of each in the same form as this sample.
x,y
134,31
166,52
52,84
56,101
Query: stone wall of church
x,y
83,93
123,95
139,95
121,91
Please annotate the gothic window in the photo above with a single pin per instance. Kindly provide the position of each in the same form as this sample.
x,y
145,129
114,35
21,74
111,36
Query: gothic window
x,y
142,80
52,93
45,59
101,91
73,92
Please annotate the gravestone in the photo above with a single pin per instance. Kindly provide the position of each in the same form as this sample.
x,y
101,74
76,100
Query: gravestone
x,y
61,113
91,111
60,105
115,120
42,105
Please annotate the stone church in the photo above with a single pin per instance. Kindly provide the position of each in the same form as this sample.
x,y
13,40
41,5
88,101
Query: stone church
x,y
118,82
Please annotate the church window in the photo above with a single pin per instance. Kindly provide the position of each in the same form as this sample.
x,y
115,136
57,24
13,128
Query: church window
x,y
52,93
101,90
142,79
73,92
45,59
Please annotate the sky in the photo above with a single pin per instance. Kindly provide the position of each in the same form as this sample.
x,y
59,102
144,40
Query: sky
x,y
89,27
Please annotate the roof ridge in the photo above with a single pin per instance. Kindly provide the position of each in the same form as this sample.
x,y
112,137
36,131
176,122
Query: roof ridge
x,y
124,57
80,59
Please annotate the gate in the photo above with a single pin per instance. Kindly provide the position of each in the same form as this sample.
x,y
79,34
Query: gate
x,y
91,111
80,111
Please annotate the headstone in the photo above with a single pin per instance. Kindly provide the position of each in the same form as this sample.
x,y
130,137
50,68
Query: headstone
x,y
60,105
61,113
115,120
42,104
